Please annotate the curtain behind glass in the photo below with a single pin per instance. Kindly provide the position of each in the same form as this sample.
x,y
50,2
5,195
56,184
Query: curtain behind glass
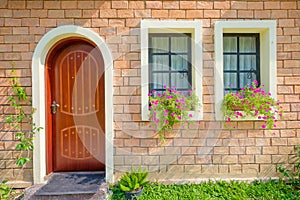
x,y
162,73
247,44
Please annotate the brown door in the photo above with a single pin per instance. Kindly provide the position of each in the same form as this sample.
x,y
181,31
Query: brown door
x,y
76,107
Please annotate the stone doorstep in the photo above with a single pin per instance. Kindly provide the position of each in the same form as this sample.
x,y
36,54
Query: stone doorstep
x,y
29,194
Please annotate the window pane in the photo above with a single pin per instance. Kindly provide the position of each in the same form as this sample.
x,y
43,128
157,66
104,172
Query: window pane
x,y
159,80
247,44
230,80
179,63
160,62
180,80
230,62
160,44
247,62
246,79
169,61
230,44
179,44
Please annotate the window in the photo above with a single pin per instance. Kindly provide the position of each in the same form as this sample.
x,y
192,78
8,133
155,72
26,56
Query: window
x,y
240,60
171,55
170,61
244,51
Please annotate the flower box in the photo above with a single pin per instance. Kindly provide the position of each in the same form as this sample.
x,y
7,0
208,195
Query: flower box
x,y
252,102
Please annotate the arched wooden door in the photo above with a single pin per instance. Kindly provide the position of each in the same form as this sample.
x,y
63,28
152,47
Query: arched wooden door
x,y
76,107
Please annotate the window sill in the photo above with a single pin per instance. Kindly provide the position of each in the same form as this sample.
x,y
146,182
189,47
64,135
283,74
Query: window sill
x,y
249,118
196,116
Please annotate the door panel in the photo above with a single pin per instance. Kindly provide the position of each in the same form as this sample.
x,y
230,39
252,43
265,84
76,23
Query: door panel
x,y
78,126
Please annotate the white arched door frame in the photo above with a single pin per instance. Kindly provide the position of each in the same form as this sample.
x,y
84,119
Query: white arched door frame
x,y
39,95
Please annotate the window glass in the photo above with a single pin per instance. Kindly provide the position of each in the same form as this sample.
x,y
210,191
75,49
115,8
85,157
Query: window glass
x,y
169,61
230,44
240,60
247,44
160,44
230,62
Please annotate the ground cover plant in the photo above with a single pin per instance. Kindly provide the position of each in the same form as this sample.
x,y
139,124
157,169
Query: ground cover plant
x,y
272,189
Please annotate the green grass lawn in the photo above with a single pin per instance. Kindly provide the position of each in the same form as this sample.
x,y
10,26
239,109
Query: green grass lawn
x,y
216,190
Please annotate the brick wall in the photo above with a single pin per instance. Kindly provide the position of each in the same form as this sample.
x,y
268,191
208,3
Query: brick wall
x,y
190,151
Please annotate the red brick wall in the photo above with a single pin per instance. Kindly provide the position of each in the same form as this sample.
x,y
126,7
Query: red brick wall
x,y
209,151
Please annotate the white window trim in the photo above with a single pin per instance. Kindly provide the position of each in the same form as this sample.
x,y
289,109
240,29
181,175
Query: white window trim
x,y
155,26
268,67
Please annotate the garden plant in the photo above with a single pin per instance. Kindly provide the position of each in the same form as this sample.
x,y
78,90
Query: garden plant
x,y
171,107
18,120
254,102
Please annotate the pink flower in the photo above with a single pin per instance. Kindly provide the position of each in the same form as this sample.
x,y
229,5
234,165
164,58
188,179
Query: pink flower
x,y
166,112
263,126
155,103
179,117
190,115
255,82
172,114
166,121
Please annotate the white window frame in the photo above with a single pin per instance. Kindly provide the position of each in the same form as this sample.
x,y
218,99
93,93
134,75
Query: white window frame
x,y
268,67
166,26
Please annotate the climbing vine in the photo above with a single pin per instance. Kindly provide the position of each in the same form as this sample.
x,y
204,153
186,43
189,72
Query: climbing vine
x,y
20,119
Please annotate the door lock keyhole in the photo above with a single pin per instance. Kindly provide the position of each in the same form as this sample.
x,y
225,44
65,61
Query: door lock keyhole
x,y
54,107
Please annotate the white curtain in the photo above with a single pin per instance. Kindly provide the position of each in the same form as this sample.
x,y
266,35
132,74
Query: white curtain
x,y
179,62
247,44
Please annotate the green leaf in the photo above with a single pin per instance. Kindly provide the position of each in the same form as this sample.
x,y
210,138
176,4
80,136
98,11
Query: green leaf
x,y
22,161
124,188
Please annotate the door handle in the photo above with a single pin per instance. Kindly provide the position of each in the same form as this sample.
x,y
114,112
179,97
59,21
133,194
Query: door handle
x,y
54,107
